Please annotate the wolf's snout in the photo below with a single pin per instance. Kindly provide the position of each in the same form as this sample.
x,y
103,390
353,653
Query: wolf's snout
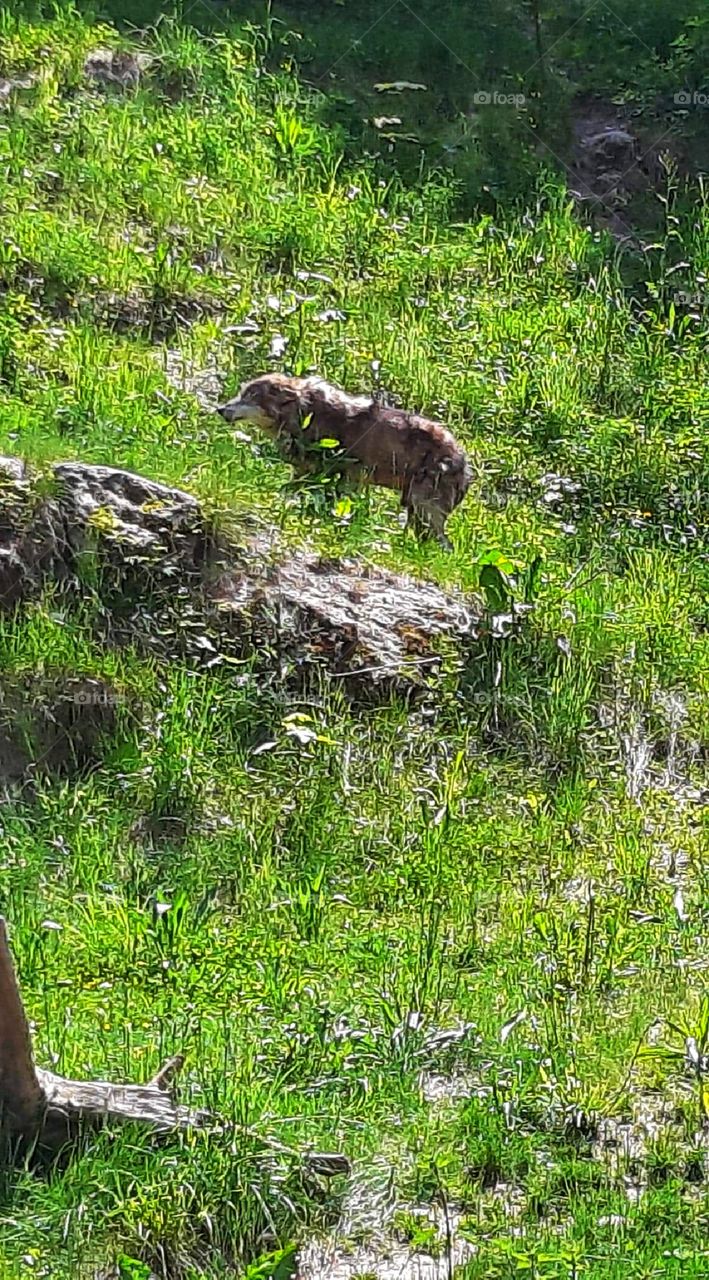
x,y
233,411
229,411
240,411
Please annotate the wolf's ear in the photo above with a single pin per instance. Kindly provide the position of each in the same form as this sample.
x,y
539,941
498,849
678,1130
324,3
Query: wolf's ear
x,y
289,411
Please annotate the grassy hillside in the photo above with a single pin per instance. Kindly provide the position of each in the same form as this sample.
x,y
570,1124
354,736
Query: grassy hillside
x,y
519,858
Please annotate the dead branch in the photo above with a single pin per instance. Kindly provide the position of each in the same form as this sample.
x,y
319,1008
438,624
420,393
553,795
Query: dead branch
x,y
41,1110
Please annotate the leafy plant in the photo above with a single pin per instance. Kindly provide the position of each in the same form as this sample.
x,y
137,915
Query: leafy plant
x,y
689,1053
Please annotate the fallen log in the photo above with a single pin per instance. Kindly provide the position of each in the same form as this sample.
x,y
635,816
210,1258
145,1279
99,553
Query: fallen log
x,y
43,1112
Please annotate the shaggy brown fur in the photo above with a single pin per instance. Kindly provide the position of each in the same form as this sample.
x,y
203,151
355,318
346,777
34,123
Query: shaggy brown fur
x,y
402,451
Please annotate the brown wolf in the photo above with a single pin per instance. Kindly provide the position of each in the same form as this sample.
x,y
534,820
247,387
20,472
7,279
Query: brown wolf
x,y
402,451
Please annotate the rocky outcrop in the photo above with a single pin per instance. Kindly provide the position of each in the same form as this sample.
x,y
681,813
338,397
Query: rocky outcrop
x,y
143,548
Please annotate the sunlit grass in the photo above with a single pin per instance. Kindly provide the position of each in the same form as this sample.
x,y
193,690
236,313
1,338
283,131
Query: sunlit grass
x,y
299,917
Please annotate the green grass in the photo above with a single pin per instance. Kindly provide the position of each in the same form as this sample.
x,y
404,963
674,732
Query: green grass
x,y
475,857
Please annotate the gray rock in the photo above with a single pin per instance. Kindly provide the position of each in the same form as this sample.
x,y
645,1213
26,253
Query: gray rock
x,y
126,509
612,146
90,508
10,86
116,67
357,620
11,469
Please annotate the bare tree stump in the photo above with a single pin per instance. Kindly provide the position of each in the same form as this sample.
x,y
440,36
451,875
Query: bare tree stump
x,y
40,1110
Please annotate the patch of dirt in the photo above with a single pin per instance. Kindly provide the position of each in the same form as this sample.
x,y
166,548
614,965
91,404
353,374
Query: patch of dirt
x,y
116,68
623,1145
161,317
614,163
637,755
390,1257
443,1091
623,1141
366,1241
53,726
657,751
679,751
